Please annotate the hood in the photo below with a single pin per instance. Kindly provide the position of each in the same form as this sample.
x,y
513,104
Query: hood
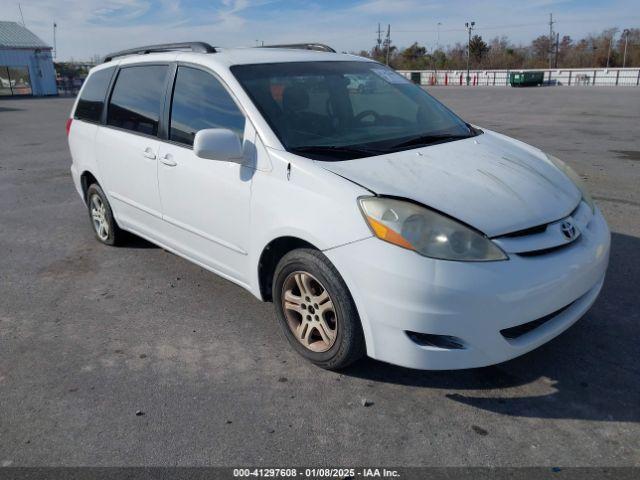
x,y
491,182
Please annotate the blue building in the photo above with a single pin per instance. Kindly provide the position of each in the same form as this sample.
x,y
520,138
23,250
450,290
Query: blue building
x,y
26,66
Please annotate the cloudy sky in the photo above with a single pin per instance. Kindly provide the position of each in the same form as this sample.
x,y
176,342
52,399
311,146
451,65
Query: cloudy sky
x,y
95,27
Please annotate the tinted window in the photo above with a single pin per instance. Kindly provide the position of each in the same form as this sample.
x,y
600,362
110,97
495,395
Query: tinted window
x,y
137,98
92,97
199,102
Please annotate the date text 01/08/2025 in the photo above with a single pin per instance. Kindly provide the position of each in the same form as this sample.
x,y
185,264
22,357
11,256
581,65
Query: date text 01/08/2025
x,y
315,473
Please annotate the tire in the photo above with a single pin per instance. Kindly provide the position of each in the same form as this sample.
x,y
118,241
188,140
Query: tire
x,y
332,338
104,225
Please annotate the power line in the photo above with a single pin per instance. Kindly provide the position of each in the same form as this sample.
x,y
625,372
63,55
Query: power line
x,y
510,26
496,27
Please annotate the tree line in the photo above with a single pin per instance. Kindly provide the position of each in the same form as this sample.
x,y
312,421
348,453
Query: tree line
x,y
594,50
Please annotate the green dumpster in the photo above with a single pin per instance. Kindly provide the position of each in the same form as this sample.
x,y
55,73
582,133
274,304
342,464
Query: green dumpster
x,y
526,79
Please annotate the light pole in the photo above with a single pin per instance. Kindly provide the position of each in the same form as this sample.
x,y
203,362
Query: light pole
x,y
55,50
613,34
625,32
469,28
438,36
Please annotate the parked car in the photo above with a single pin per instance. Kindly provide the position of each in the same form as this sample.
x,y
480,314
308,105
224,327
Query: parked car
x,y
376,223
361,84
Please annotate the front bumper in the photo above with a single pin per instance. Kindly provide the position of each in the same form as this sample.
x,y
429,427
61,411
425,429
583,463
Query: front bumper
x,y
398,291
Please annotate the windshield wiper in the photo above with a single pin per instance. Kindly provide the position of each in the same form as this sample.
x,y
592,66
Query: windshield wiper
x,y
330,149
474,131
430,140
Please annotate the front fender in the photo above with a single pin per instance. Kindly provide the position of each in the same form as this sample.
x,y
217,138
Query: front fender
x,y
300,199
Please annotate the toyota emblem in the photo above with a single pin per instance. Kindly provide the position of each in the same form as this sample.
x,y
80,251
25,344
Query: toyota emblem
x,y
568,230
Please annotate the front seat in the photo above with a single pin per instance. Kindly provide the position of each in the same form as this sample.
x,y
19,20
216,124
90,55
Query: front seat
x,y
295,107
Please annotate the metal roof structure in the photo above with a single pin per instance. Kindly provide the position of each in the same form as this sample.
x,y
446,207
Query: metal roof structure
x,y
14,35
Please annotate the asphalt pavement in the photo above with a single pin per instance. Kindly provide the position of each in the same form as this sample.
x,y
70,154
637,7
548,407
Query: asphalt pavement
x,y
134,356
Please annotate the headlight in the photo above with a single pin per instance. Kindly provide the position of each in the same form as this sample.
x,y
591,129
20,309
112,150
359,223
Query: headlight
x,y
426,232
575,178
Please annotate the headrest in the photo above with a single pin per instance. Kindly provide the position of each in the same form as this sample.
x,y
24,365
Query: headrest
x,y
295,98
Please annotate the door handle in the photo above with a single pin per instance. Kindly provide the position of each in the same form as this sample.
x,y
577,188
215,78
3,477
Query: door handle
x,y
148,153
168,160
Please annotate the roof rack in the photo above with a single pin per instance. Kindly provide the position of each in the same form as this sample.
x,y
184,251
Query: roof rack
x,y
319,47
199,47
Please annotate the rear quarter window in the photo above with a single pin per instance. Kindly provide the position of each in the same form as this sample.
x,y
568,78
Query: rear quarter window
x,y
91,101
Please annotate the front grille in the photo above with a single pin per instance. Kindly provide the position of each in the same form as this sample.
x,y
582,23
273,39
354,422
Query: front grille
x,y
519,330
545,251
526,232
541,239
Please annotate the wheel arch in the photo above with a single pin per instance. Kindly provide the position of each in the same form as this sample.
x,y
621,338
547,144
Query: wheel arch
x,y
271,254
86,180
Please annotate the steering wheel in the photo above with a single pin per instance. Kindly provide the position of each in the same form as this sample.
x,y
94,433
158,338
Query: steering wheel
x,y
367,113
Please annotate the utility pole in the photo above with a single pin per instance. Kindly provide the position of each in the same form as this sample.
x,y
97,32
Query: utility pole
x,y
379,44
625,32
388,42
55,50
557,45
438,36
469,28
551,22
613,34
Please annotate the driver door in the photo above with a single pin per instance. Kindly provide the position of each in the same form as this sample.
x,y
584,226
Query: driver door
x,y
205,203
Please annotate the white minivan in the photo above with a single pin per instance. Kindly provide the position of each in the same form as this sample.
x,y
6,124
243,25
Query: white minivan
x,y
375,219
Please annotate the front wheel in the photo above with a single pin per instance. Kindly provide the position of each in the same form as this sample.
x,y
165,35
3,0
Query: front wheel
x,y
316,311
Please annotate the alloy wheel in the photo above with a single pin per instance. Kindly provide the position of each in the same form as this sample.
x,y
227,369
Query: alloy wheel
x,y
99,217
309,311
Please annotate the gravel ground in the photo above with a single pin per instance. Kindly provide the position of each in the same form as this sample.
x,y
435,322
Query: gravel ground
x,y
133,356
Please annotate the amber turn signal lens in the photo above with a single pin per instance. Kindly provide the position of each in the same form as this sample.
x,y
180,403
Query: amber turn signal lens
x,y
386,233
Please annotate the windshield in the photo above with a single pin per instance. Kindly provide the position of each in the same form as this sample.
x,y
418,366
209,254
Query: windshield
x,y
341,110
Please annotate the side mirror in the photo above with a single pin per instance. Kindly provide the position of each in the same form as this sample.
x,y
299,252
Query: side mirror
x,y
218,144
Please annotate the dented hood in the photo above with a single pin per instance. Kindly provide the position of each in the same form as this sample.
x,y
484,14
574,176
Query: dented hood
x,y
491,182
